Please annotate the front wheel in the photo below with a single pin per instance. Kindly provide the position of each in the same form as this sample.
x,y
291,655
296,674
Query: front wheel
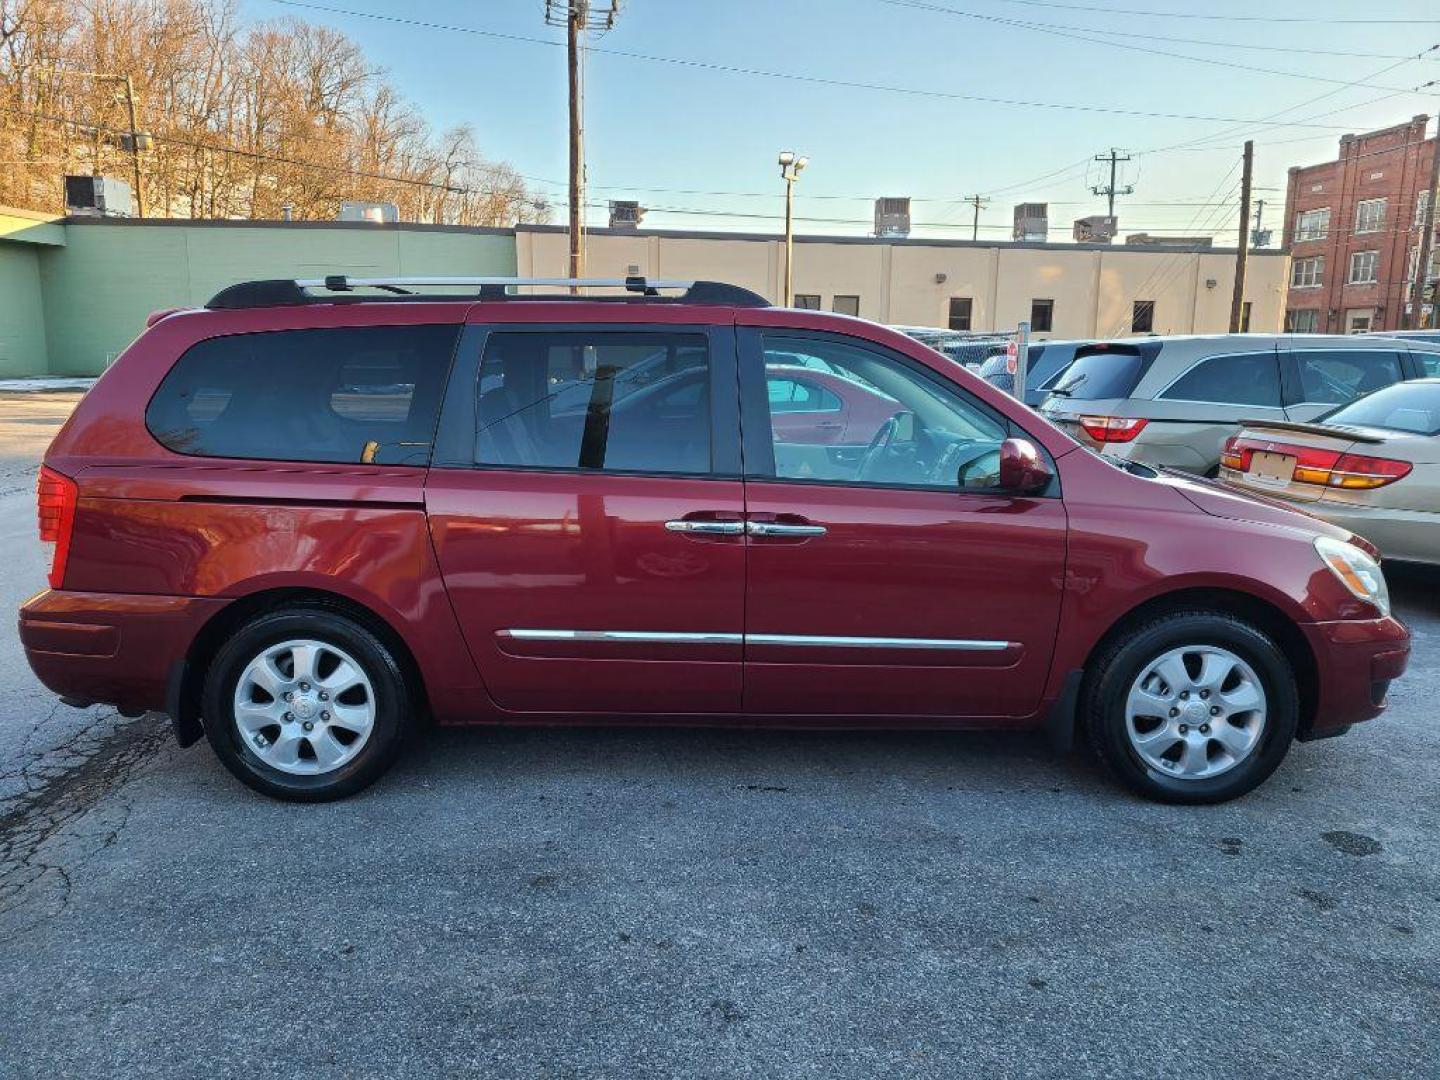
x,y
305,704
1191,707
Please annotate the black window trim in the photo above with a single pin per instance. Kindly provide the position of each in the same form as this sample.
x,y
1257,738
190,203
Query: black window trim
x,y
457,322
454,446
756,432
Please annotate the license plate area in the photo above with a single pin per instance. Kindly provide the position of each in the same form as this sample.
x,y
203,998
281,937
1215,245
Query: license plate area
x,y
1273,470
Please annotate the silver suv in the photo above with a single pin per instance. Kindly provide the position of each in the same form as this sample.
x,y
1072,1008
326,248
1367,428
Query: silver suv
x,y
1175,400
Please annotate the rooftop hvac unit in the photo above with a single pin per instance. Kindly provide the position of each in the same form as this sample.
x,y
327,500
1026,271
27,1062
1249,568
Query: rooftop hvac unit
x,y
892,217
1096,229
1032,222
626,214
376,213
97,196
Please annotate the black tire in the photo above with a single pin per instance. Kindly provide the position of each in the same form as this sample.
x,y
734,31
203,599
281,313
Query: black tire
x,y
392,704
1123,660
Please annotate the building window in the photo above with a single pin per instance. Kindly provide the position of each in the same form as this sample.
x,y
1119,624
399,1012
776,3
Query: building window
x,y
807,301
1370,215
960,309
1422,208
1245,317
1363,266
845,305
1303,321
1307,273
1312,224
1042,316
1142,317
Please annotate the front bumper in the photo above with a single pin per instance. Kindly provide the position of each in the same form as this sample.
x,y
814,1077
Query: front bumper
x,y
1356,660
112,648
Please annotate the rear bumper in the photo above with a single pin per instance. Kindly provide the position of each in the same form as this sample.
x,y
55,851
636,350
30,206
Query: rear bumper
x,y
112,648
1356,661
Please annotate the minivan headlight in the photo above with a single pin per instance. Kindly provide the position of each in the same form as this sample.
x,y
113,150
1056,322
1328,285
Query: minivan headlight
x,y
1356,570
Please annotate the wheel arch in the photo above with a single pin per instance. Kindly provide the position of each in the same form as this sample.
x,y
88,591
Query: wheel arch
x,y
187,681
1256,610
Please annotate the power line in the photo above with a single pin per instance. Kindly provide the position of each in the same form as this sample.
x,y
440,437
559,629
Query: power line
x,y
735,69
1209,42
1291,19
1108,40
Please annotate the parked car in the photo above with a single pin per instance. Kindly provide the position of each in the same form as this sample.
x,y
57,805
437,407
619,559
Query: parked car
x,y
1045,361
1410,335
967,348
303,519
1174,401
1372,466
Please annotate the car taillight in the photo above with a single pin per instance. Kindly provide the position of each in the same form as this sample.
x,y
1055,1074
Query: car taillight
x,y
56,499
1108,429
1315,465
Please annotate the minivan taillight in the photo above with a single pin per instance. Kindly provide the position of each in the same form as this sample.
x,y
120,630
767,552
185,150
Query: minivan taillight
x,y
56,499
1110,429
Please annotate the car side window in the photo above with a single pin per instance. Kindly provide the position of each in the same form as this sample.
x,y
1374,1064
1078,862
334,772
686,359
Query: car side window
x,y
1236,379
1335,376
904,428
616,401
1429,362
368,395
799,395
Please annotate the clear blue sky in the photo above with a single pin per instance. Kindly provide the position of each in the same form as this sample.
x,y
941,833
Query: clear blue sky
x,y
682,136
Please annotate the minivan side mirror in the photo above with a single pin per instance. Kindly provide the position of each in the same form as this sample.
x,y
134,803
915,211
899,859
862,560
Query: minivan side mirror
x,y
1023,469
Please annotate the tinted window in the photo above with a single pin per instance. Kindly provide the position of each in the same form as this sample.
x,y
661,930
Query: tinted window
x,y
1429,362
792,395
1112,373
619,401
1339,375
904,429
1247,379
1410,406
358,394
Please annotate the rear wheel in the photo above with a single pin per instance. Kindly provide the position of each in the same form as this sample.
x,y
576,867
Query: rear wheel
x,y
305,704
1191,707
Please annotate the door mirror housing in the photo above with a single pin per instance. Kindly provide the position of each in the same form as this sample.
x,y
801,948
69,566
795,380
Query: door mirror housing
x,y
1023,469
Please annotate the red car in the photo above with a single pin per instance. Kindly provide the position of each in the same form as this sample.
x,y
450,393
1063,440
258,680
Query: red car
x,y
307,517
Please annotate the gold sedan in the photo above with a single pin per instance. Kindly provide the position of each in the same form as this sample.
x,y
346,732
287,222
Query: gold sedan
x,y
1371,466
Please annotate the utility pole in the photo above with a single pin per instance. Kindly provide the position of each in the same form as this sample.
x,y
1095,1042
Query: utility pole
x,y
135,148
1416,318
1237,298
576,16
1115,158
1259,237
977,202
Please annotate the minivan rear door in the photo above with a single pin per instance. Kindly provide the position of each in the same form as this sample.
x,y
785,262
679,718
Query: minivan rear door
x,y
586,509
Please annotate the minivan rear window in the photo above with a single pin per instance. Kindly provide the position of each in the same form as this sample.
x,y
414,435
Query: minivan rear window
x,y
1096,373
368,395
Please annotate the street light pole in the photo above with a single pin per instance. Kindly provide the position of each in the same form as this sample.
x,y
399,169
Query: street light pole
x,y
790,167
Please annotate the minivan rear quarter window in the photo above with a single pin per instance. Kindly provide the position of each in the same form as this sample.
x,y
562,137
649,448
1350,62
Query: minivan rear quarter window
x,y
1098,373
368,395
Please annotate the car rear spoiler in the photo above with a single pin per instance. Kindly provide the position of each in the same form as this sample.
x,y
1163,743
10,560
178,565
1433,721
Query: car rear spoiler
x,y
1312,429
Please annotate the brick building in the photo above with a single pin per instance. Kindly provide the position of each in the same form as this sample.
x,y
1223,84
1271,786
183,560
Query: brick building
x,y
1353,229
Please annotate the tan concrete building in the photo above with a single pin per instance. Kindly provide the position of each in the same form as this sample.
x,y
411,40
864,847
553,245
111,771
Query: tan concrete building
x,y
1088,290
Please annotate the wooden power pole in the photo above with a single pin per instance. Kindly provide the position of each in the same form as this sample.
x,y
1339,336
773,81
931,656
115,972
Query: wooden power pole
x,y
1237,298
1416,317
977,201
578,19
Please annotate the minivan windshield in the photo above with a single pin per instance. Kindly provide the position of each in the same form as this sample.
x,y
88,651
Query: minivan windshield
x,y
1109,373
1408,406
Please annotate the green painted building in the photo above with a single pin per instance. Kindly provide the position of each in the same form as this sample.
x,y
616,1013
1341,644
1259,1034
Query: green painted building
x,y
75,291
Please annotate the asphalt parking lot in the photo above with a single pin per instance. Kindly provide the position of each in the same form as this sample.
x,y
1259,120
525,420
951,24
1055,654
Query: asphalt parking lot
x,y
680,903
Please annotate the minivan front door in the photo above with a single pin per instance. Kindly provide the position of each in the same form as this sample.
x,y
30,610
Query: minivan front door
x,y
896,581
586,510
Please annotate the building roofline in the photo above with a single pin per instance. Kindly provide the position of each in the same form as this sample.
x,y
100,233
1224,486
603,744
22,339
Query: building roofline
x,y
267,223
911,241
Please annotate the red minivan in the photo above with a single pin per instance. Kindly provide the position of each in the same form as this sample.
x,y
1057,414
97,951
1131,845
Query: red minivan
x,y
311,515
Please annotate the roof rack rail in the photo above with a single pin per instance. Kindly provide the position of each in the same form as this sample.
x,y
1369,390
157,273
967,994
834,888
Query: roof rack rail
x,y
276,292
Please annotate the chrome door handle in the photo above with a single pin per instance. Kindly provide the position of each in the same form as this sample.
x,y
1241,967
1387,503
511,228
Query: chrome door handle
x,y
777,528
706,528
